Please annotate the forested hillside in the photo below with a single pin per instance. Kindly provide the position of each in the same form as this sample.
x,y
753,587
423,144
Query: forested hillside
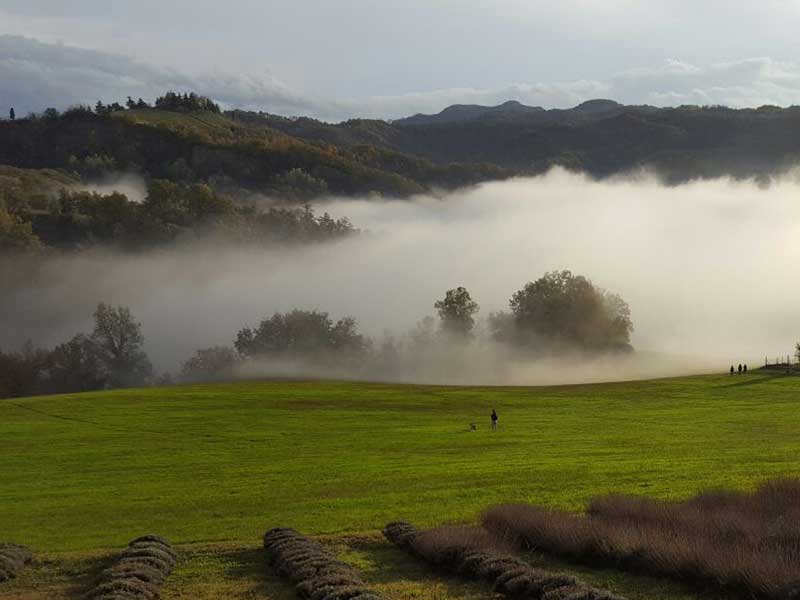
x,y
204,146
599,137
204,172
203,167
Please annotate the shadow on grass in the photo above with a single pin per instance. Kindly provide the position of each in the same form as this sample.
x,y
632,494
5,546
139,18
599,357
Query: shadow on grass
x,y
252,564
218,571
634,586
400,576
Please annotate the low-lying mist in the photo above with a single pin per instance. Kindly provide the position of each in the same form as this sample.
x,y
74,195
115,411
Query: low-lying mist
x,y
709,270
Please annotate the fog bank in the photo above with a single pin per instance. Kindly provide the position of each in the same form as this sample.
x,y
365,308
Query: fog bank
x,y
709,270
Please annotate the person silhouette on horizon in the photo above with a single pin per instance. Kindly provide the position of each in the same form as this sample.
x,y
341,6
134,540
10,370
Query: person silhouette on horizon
x,y
731,369
494,420
740,368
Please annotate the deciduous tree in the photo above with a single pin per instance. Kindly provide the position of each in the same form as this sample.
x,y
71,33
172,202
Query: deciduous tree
x,y
456,312
118,339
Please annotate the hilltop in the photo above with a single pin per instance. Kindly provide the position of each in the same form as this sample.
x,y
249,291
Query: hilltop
x,y
219,149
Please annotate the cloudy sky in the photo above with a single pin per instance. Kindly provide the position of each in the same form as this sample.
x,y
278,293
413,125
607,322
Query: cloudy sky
x,y
390,58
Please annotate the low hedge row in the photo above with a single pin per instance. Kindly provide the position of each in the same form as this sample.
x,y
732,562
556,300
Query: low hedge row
x,y
138,572
475,553
12,558
316,573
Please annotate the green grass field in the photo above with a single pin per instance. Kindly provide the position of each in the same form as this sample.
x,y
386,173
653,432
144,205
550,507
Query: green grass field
x,y
216,465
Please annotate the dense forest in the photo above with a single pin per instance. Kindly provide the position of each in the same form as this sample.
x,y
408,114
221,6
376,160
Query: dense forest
x,y
189,140
202,166
44,209
599,137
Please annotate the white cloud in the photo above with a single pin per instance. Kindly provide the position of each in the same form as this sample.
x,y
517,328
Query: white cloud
x,y
750,82
35,75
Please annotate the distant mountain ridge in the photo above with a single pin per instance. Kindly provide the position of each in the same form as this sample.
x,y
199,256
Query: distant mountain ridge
x,y
467,112
511,109
462,145
599,137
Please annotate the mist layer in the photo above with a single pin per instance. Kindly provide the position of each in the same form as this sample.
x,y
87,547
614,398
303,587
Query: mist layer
x,y
708,269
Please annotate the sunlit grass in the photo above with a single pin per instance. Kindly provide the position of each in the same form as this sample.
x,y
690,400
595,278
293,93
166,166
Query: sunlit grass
x,y
224,462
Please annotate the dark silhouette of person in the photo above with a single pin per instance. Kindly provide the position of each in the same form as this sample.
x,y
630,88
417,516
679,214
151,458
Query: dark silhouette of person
x,y
740,368
744,369
494,420
731,369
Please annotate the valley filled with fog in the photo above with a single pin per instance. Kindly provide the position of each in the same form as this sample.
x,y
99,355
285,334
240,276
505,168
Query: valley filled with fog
x,y
706,268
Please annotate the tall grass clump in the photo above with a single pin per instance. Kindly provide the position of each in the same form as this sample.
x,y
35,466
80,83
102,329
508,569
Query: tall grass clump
x,y
12,558
138,572
316,573
747,543
476,553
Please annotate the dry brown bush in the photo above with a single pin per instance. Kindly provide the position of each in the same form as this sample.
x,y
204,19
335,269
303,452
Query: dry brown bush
x,y
13,557
478,553
741,542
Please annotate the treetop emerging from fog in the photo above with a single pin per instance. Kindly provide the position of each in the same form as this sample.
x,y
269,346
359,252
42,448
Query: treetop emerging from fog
x,y
563,309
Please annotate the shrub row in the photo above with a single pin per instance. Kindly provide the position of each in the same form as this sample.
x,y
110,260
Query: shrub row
x,y
138,572
748,543
315,572
474,552
12,558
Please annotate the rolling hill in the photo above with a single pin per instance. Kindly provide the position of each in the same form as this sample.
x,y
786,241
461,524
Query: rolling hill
x,y
213,466
221,462
599,137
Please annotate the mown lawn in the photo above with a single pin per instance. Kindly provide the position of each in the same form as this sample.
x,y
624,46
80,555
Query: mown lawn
x,y
221,463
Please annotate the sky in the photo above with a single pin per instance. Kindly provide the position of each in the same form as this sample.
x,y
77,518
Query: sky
x,y
388,59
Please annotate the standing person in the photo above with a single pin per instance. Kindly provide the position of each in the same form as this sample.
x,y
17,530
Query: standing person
x,y
731,369
744,370
494,420
740,368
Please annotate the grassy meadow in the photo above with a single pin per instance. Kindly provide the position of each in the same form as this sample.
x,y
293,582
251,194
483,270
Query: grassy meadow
x,y
212,467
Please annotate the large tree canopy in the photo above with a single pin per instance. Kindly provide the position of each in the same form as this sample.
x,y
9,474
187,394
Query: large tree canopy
x,y
304,335
565,310
118,340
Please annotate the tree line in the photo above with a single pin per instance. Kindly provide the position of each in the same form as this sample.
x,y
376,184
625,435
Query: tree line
x,y
111,356
558,312
170,101
77,219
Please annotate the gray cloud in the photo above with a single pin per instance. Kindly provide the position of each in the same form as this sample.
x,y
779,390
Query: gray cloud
x,y
35,75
